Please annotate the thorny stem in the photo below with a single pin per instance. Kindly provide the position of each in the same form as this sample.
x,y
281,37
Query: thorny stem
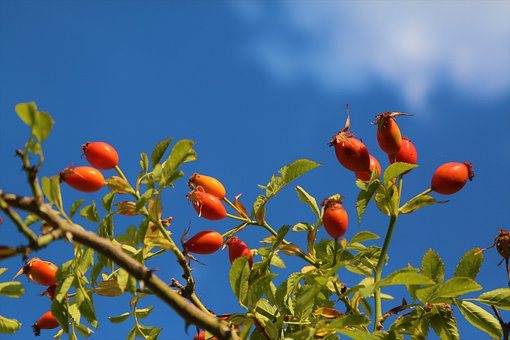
x,y
382,259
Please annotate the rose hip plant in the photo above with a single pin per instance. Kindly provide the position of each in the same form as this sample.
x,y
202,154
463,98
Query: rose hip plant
x,y
312,302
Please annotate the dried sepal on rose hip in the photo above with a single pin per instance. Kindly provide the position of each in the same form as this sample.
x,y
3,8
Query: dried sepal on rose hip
x,y
366,175
350,151
83,178
389,136
204,242
207,205
39,271
46,321
335,217
210,185
449,178
237,248
101,155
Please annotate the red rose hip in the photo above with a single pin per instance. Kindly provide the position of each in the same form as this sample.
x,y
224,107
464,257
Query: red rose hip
x,y
101,155
449,178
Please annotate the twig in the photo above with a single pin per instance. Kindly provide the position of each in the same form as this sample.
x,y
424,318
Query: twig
x,y
504,326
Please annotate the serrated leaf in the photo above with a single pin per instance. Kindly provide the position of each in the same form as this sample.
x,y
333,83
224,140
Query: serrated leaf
x,y
396,169
85,304
90,212
280,236
108,288
382,200
444,324
457,286
470,264
363,236
63,288
259,209
51,189
481,319
122,279
498,297
120,318
405,276
258,288
239,275
181,153
417,203
9,326
12,289
288,173
119,185
159,151
85,261
432,266
308,199
61,313
364,198
75,206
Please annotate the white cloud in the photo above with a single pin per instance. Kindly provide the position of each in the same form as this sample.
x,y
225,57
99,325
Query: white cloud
x,y
415,46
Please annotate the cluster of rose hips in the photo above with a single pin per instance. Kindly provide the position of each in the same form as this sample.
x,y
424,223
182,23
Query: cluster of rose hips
x,y
206,196
88,179
43,273
354,156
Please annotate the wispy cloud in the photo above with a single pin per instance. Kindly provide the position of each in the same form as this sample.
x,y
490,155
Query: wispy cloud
x,y
413,46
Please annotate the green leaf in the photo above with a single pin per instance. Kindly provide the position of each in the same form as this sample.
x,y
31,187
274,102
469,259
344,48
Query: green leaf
x,y
444,324
458,286
83,330
258,288
363,236
349,320
63,288
302,226
85,304
481,319
26,112
405,276
120,318
108,200
85,261
239,275
288,173
144,199
31,219
305,300
61,313
309,200
143,312
357,334
498,297
3,270
470,264
11,289
182,152
75,206
280,236
9,326
259,209
383,199
51,189
159,151
364,198
122,279
90,212
42,126
144,162
432,266
396,169
417,203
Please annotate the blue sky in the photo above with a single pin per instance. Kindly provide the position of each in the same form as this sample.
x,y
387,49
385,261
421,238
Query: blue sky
x,y
258,85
